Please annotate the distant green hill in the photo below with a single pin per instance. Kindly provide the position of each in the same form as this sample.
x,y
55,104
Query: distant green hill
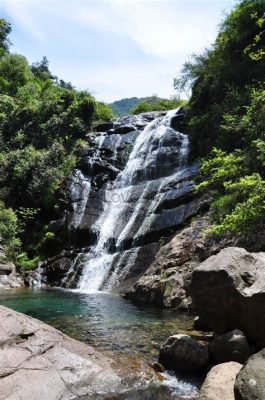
x,y
124,106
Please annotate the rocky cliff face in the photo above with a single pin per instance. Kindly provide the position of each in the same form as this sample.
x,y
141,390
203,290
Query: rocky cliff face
x,y
167,280
129,193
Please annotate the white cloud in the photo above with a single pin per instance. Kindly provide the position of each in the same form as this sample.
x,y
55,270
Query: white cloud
x,y
21,13
127,80
161,27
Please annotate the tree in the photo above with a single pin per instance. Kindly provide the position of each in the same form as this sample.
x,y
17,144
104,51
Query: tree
x,y
14,73
41,69
5,30
222,77
226,120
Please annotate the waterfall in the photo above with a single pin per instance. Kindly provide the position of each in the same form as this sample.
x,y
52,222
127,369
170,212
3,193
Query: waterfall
x,y
150,171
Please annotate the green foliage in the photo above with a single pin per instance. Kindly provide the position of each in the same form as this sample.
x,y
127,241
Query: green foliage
x,y
29,177
23,262
242,209
156,104
222,79
103,112
14,72
5,29
238,204
221,167
256,49
41,69
236,179
9,229
226,114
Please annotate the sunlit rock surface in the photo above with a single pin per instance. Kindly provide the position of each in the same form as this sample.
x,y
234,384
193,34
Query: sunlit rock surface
x,y
39,362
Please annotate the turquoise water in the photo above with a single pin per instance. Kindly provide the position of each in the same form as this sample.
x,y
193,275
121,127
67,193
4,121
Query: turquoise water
x,y
113,325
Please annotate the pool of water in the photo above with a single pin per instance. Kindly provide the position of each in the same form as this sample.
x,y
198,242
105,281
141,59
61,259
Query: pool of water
x,y
113,325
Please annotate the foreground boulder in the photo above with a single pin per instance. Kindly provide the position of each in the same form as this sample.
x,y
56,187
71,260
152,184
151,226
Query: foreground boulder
x,y
232,346
39,362
183,354
219,383
228,292
249,383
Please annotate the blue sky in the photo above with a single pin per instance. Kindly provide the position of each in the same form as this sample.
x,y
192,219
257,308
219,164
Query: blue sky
x,y
114,48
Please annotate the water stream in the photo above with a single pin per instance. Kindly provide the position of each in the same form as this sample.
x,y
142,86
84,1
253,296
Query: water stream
x,y
114,326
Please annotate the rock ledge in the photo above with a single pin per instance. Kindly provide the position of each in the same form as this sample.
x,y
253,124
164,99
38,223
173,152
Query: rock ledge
x,y
40,363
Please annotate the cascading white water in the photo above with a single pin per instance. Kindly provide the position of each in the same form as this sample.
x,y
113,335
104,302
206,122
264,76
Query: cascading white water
x,y
147,149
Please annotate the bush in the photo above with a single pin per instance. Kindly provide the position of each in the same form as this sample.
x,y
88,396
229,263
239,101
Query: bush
x,y
9,230
23,262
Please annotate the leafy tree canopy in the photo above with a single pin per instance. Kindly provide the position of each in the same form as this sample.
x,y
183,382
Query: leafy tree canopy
x,y
226,118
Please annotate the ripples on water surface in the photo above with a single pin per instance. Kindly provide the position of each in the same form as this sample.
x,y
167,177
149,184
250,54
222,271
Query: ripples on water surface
x,y
109,323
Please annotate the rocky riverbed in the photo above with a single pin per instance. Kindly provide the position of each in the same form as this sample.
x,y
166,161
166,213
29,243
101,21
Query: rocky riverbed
x,y
119,330
227,291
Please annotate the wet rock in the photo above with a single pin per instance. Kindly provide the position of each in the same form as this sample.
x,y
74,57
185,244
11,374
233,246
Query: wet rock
x,y
121,129
158,367
62,270
199,324
128,267
232,346
184,354
177,122
105,126
250,380
30,277
39,362
97,166
228,292
219,383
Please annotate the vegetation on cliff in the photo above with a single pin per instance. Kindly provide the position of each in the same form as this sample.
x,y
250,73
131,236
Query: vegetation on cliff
x,y
43,121
226,119
136,105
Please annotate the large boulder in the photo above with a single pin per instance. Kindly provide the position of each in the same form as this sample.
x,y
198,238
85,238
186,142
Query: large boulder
x,y
228,292
39,362
219,383
249,383
232,346
184,354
